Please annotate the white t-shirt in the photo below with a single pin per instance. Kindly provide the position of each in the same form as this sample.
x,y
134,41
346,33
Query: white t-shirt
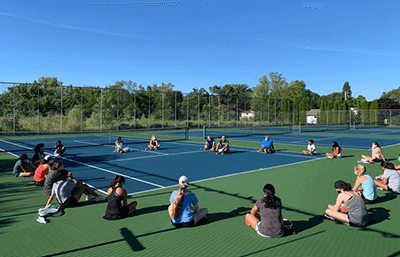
x,y
62,190
311,148
394,179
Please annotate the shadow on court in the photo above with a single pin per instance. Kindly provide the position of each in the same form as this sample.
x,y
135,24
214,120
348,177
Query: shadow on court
x,y
388,196
302,225
212,217
151,209
377,215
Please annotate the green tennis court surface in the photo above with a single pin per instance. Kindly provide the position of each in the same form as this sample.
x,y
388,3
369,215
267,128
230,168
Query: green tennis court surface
x,y
305,189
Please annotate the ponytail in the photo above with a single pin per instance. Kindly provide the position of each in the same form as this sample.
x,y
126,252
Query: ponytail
x,y
270,200
117,179
177,204
340,184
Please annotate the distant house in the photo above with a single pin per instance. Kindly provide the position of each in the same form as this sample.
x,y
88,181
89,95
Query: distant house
x,y
312,116
246,115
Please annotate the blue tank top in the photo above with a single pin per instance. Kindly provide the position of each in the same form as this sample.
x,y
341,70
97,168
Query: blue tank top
x,y
369,188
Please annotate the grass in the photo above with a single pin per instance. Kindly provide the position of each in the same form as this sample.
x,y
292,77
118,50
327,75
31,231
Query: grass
x,y
305,189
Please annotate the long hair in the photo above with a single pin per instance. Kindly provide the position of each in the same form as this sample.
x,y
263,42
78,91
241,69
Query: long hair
x,y
340,184
61,175
117,179
23,157
270,200
38,148
57,165
335,144
43,161
388,165
376,143
177,204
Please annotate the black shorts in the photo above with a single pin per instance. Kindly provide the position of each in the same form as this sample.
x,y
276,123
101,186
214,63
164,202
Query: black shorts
x,y
116,216
366,201
70,202
183,224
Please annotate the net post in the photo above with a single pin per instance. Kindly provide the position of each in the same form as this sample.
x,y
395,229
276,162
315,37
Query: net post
x,y
61,110
390,117
299,127
38,111
204,131
81,109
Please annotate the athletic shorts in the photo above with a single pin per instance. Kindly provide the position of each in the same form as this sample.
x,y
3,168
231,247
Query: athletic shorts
x,y
258,231
183,224
339,155
122,214
366,201
70,202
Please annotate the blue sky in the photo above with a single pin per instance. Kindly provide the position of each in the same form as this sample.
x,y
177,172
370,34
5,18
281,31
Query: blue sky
x,y
196,43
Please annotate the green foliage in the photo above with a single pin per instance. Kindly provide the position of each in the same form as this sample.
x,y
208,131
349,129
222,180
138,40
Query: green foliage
x,y
373,116
364,112
346,90
392,94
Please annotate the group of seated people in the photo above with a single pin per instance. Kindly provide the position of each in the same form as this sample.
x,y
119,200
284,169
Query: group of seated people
x,y
267,145
119,145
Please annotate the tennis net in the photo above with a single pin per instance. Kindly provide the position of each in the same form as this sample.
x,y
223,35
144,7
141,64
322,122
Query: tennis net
x,y
246,131
310,128
27,141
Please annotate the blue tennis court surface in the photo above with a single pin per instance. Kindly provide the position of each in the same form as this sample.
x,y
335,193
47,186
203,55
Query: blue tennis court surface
x,y
150,170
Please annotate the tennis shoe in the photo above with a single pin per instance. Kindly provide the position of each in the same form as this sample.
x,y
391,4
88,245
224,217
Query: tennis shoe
x,y
328,217
47,211
90,197
56,154
287,223
41,220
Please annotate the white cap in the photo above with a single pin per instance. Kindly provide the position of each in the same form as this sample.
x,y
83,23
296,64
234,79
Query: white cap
x,y
48,158
183,180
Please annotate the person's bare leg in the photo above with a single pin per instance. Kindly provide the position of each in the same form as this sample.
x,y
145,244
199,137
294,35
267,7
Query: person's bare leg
x,y
199,215
26,174
338,216
132,206
252,219
89,190
79,191
381,185
367,158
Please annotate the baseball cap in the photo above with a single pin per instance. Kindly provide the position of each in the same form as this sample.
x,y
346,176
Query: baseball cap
x,y
183,180
48,158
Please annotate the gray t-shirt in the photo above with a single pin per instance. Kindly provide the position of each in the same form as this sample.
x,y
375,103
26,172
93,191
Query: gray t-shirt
x,y
48,183
393,179
62,190
271,219
18,168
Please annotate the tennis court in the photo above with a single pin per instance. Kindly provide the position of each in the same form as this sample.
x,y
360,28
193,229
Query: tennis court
x,y
228,185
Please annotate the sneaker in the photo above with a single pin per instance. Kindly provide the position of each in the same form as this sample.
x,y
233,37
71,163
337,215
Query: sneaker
x,y
379,188
90,197
380,177
47,211
56,154
287,223
41,220
100,198
328,217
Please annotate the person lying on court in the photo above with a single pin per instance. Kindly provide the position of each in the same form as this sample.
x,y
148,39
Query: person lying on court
x,y
222,146
20,167
337,151
119,146
116,194
310,148
368,188
68,192
210,144
375,155
267,146
349,208
390,180
59,149
38,155
266,215
153,145
184,209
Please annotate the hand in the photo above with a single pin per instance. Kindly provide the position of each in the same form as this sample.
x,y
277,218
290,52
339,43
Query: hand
x,y
70,174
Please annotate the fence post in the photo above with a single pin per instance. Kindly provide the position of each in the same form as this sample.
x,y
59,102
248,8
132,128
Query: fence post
x,y
390,118
219,109
209,111
187,110
13,108
38,110
149,111
163,107
275,111
61,109
134,111
175,109
81,109
237,112
198,110
101,109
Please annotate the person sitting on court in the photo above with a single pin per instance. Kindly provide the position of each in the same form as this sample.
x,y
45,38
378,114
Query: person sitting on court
x,y
68,193
266,215
368,188
182,203
119,146
375,156
59,149
337,151
349,208
310,148
51,176
116,195
210,144
20,167
222,146
153,145
41,171
390,180
38,155
267,146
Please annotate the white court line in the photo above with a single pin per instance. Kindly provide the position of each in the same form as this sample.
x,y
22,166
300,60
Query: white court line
x,y
390,145
83,142
94,167
319,139
234,174
157,156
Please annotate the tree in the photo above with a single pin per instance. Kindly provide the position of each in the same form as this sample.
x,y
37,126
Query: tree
x,y
373,112
346,91
392,94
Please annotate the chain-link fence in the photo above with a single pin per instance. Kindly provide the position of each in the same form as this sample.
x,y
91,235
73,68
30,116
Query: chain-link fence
x,y
42,108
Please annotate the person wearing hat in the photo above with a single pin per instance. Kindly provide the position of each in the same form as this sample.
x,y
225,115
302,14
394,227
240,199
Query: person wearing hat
x,y
180,209
20,167
41,171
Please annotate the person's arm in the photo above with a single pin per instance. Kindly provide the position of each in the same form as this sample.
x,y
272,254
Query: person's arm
x,y
196,208
254,210
226,145
72,178
356,184
380,151
120,191
339,201
51,197
385,181
272,146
